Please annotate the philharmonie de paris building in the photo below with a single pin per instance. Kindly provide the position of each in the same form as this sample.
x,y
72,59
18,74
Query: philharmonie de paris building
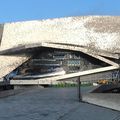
x,y
44,52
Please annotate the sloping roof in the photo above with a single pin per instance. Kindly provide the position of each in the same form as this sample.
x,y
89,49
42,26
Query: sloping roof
x,y
99,32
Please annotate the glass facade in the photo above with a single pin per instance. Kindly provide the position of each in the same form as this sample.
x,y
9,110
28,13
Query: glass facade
x,y
56,62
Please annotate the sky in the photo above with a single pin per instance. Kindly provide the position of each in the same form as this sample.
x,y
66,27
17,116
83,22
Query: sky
x,y
23,10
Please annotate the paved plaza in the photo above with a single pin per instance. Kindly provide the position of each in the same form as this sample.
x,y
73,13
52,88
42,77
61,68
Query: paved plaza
x,y
52,104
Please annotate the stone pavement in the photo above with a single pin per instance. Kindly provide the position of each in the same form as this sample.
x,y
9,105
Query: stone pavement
x,y
52,104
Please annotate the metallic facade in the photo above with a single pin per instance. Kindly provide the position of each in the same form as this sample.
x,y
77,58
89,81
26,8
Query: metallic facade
x,y
96,36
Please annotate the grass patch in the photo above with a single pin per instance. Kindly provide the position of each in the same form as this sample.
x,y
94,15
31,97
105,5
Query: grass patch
x,y
64,85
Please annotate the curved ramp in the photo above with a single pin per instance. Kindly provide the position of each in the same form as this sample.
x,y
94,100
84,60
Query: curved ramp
x,y
107,100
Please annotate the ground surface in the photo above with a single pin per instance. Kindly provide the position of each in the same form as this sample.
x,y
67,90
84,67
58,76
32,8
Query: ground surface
x,y
52,104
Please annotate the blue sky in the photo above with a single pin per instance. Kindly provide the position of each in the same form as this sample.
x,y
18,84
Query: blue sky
x,y
22,10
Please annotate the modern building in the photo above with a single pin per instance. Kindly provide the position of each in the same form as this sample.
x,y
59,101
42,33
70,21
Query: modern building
x,y
62,48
